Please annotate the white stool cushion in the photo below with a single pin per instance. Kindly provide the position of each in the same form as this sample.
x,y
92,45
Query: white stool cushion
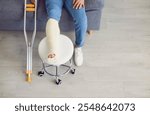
x,y
66,49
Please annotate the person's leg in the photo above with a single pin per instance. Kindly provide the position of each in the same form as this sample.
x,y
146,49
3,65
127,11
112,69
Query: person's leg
x,y
80,21
52,35
54,9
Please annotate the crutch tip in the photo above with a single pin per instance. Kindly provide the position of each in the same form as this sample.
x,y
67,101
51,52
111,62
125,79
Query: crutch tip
x,y
28,79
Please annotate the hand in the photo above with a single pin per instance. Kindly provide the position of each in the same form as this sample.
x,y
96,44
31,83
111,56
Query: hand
x,y
33,1
77,4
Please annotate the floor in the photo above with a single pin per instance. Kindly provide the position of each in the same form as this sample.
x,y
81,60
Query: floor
x,y
116,58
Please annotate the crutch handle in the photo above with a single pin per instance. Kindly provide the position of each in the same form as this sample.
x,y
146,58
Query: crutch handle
x,y
30,9
30,5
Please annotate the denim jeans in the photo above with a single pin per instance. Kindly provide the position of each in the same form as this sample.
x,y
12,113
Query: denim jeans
x,y
54,9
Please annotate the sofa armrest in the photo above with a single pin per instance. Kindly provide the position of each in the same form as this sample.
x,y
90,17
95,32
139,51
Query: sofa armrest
x,y
94,4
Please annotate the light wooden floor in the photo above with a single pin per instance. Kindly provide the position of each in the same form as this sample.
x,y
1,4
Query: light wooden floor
x,y
116,63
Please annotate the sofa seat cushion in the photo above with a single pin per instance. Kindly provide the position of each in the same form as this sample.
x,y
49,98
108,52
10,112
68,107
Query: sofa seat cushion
x,y
11,9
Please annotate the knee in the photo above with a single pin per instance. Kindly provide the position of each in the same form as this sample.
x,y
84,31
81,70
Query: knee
x,y
54,13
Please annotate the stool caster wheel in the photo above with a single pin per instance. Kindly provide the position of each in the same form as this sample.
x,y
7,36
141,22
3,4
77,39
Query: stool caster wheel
x,y
72,71
40,73
58,82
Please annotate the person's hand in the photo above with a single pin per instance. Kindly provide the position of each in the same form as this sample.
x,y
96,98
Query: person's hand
x,y
33,1
77,4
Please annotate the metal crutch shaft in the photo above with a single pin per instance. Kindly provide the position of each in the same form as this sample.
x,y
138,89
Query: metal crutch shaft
x,y
29,43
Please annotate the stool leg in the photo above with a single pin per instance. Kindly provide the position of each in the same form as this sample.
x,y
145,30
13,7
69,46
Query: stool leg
x,y
57,73
41,72
58,81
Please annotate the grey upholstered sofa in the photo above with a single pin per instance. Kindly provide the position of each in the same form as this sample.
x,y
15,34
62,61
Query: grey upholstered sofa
x,y
11,15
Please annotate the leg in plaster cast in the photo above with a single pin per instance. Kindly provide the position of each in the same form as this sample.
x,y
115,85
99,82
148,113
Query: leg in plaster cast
x,y
52,35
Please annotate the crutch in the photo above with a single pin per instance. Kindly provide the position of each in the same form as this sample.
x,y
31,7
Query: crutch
x,y
29,43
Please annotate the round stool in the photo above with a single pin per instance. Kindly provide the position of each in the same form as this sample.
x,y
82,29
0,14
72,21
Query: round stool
x,y
63,60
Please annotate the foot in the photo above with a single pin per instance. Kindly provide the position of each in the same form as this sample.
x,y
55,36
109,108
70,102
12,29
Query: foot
x,y
78,56
50,56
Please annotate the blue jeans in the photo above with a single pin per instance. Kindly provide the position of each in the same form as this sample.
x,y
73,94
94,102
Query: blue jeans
x,y
54,9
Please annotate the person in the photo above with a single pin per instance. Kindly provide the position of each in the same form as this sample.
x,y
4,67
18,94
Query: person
x,y
76,8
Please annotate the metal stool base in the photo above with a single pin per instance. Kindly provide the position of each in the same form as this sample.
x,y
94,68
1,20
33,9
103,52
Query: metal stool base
x,y
57,73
